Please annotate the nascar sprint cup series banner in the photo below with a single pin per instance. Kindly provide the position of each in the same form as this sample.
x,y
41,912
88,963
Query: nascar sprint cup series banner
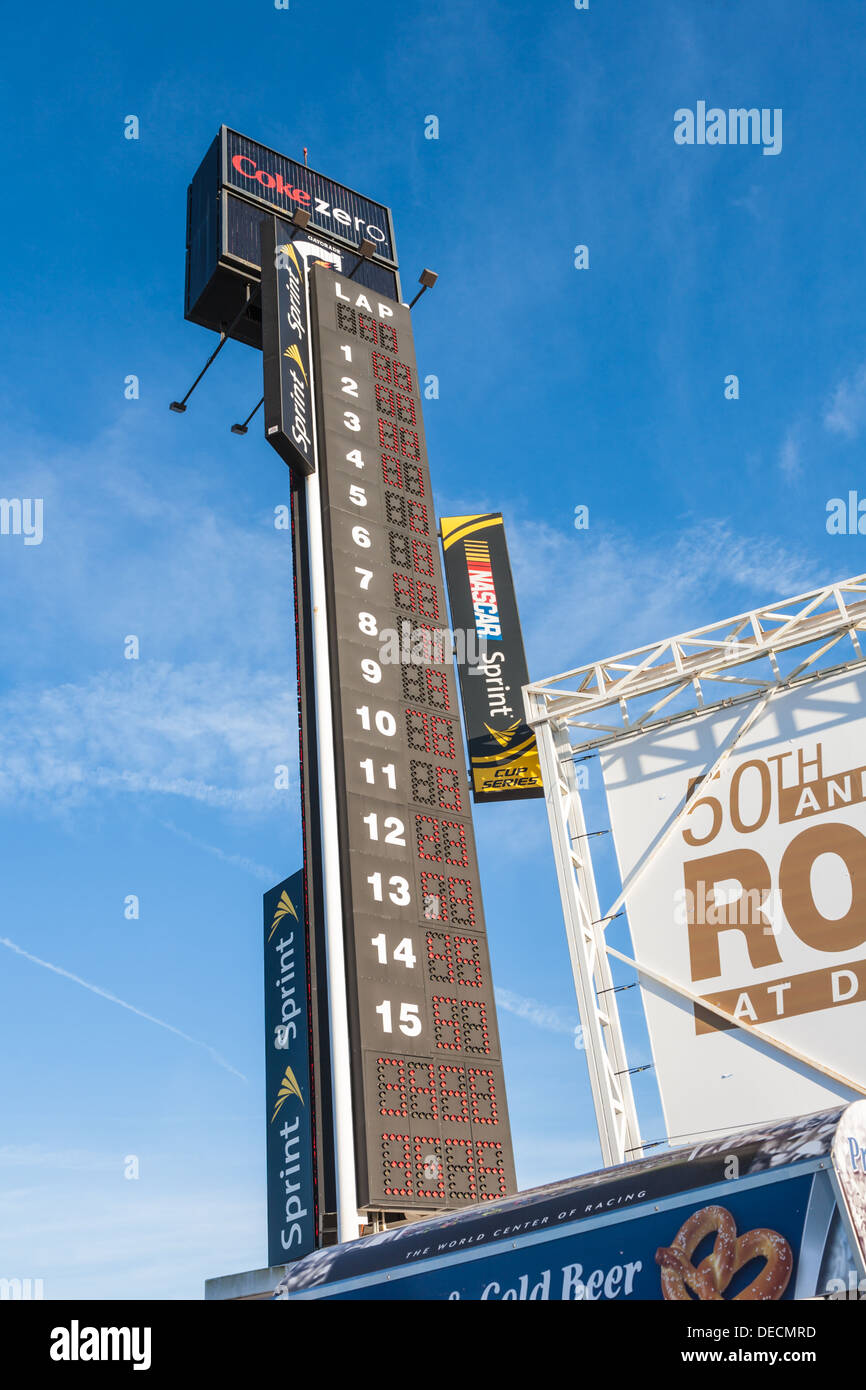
x,y
747,886
503,754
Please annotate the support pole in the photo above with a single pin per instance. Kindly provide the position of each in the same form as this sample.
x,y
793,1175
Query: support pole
x,y
348,1225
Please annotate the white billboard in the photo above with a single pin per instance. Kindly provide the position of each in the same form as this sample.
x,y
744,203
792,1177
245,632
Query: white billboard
x,y
756,899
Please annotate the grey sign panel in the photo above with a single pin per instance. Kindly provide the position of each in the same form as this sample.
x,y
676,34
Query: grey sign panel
x,y
238,184
432,1127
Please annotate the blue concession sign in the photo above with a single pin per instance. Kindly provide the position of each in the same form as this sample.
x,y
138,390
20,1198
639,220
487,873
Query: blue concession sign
x,y
752,1217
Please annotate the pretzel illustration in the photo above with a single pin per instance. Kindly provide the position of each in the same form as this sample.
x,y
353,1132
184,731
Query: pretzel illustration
x,y
729,1254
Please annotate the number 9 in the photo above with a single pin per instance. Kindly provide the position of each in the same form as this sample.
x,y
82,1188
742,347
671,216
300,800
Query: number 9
x,y
372,670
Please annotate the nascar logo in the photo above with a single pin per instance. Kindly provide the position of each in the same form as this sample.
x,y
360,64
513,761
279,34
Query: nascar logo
x,y
482,589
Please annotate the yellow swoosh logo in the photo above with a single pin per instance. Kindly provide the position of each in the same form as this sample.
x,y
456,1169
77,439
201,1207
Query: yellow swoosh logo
x,y
294,353
288,1087
284,906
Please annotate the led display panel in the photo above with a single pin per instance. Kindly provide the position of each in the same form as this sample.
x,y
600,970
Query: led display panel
x,y
431,1117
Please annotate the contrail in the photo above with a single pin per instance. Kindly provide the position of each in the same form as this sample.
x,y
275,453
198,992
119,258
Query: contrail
x,y
542,1015
95,989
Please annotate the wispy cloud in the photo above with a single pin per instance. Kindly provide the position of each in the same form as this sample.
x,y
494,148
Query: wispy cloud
x,y
550,1018
113,999
615,589
846,412
204,732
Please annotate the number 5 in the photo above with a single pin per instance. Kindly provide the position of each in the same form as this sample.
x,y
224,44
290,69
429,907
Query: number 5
x,y
410,1023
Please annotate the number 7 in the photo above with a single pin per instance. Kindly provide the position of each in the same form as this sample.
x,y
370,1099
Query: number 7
x,y
366,576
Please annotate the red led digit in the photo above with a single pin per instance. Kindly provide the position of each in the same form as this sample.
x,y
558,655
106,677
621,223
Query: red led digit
x,y
388,337
426,599
421,1078
367,328
397,1165
429,1169
490,1169
402,376
404,592
427,838
385,400
401,549
466,960
437,689
433,897
417,736
395,509
392,470
460,907
448,785
388,435
482,1096
382,367
442,737
422,557
454,844
413,479
474,1032
346,320
446,1023
405,408
418,518
453,1096
460,1168
440,966
410,444
392,1087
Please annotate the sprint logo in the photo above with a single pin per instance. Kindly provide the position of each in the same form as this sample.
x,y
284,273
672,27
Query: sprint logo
x,y
284,907
288,1087
504,736
294,353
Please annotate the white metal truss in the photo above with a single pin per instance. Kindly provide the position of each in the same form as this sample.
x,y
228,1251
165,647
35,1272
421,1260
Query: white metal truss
x,y
657,685
599,1018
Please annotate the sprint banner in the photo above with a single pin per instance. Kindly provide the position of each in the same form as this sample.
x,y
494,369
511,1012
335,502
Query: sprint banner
x,y
292,1215
288,393
503,755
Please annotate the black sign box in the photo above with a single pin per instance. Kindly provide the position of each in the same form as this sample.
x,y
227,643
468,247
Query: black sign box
x,y
288,389
237,185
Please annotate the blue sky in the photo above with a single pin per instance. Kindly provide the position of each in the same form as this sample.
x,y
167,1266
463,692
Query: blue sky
x,y
557,387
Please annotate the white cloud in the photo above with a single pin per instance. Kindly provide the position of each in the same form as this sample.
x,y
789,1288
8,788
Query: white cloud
x,y
206,732
846,413
588,595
